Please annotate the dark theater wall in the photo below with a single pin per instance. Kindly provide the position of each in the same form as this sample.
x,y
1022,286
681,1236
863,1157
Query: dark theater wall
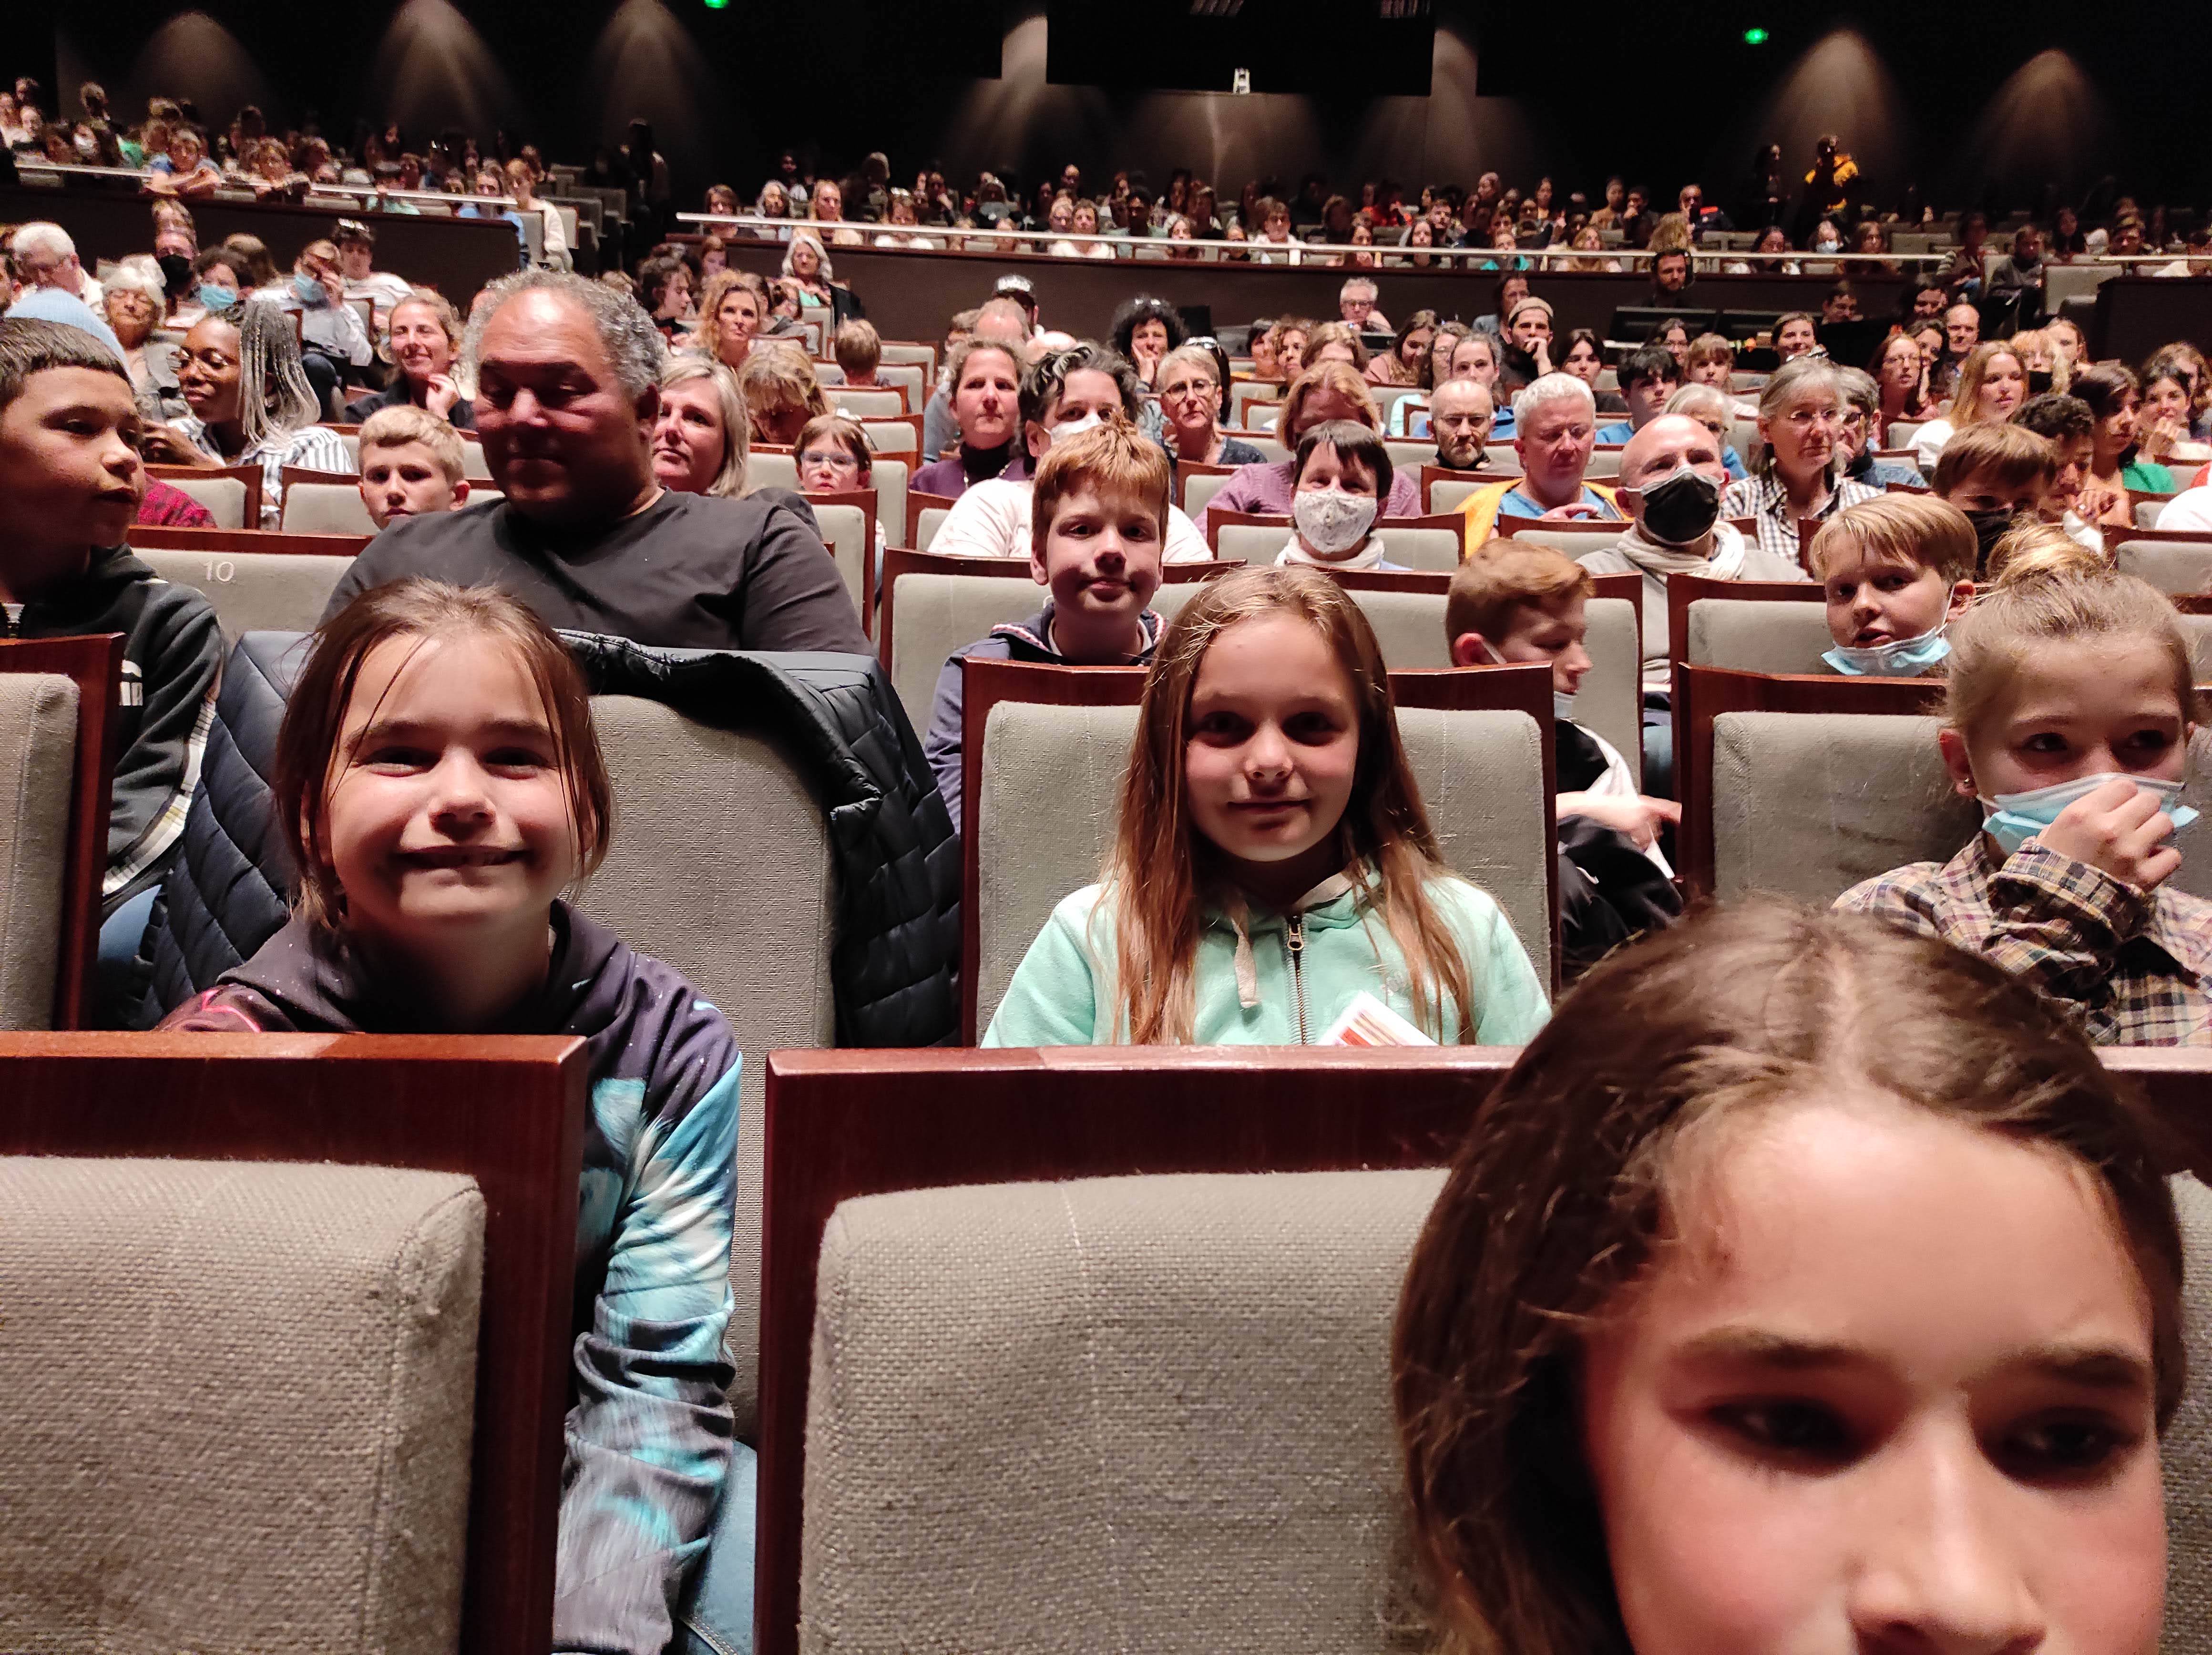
x,y
2008,106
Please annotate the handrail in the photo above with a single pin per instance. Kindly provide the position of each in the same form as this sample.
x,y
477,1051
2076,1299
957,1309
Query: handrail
x,y
1318,254
233,180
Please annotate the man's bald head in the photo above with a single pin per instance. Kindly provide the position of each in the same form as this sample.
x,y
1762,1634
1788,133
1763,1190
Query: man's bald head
x,y
1666,444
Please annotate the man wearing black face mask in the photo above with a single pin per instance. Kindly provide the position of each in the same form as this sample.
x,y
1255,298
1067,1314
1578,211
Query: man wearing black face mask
x,y
1671,478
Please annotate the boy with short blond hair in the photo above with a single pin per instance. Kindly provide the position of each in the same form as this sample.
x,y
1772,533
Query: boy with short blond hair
x,y
1895,572
858,350
1515,602
411,464
1098,531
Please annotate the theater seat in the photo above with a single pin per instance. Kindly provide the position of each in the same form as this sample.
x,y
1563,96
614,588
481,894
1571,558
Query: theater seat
x,y
326,508
1611,698
750,925
938,613
1050,800
1808,804
844,530
224,498
1408,626
1139,1414
241,1397
38,763
2170,565
1758,636
255,591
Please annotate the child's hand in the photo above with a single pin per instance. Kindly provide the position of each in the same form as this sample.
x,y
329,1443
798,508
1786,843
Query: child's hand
x,y
2121,828
1636,815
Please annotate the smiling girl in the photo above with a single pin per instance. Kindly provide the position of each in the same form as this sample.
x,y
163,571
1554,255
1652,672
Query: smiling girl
x,y
2067,719
1273,860
438,778
1830,1302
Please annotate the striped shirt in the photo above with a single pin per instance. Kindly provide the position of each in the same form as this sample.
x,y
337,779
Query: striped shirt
x,y
1766,502
2132,967
315,446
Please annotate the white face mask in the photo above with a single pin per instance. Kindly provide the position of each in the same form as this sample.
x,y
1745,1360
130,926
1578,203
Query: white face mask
x,y
1075,427
1332,522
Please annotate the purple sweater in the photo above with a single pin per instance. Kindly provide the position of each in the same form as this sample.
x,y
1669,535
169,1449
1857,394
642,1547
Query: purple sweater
x,y
1268,486
949,476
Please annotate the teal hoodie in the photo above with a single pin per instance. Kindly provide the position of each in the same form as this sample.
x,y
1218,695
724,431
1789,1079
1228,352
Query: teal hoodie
x,y
1304,970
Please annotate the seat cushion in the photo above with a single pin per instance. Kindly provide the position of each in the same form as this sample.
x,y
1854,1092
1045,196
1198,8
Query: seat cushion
x,y
37,766
1748,634
255,591
245,1421
1146,1413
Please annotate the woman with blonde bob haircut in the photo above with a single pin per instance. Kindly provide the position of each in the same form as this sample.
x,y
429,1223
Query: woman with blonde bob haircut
x,y
1804,1285
701,437
1274,864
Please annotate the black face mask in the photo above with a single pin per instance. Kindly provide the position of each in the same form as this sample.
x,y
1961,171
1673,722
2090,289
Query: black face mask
x,y
176,271
2039,381
1990,527
1682,507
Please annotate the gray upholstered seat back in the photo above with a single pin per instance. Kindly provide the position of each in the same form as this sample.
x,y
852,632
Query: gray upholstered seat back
x,y
1611,698
1090,1381
771,471
282,1448
937,613
721,867
1409,626
224,498
326,508
1575,543
2197,629
1449,493
864,403
1050,801
926,523
1750,635
2170,565
1134,1407
255,591
1200,489
38,763
845,531
1808,805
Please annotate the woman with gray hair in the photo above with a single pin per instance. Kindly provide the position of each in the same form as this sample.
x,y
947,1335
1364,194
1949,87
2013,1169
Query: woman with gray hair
x,y
1796,468
134,297
251,403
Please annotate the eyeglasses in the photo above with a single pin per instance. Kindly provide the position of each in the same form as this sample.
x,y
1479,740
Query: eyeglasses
x,y
1804,419
836,458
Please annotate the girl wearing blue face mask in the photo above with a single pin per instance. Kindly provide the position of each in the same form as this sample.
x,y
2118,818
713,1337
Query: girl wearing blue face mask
x,y
1895,572
2067,719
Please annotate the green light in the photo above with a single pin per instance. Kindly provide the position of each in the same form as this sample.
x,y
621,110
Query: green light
x,y
1751,37
717,5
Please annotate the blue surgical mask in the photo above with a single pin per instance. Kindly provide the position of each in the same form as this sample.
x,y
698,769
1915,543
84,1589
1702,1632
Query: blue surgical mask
x,y
1904,657
2013,819
307,290
215,299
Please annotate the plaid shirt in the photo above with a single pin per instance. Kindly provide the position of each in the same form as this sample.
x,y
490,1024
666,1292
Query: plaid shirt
x,y
2132,967
1765,499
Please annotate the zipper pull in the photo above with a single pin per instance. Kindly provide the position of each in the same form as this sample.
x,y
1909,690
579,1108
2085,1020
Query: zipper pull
x,y
1297,933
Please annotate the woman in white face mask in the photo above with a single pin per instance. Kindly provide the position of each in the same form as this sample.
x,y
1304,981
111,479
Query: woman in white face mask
x,y
1344,476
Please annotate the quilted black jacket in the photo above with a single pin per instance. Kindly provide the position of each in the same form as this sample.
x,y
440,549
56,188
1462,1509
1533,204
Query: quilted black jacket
x,y
894,959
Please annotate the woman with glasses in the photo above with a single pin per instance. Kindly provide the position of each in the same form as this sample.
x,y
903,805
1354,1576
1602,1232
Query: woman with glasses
x,y
1795,466
1191,400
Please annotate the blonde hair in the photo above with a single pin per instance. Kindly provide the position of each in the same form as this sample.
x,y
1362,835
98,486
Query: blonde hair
x,y
2039,549
404,423
778,375
2012,625
737,422
1505,575
1160,866
2042,342
1113,459
1334,333
1344,380
1901,529
857,346
1966,395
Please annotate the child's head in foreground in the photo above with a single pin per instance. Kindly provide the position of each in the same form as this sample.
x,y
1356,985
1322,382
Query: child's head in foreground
x,y
70,471
1098,527
1515,601
1266,759
1829,1301
2056,674
437,773
1894,569
411,463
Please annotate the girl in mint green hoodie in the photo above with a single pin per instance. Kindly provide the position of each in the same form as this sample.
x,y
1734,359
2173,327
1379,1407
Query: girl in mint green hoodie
x,y
1273,861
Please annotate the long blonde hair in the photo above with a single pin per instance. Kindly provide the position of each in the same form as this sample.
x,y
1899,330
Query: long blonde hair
x,y
1161,866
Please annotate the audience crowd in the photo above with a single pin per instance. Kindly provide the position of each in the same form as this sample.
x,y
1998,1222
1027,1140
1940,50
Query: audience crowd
x,y
563,454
